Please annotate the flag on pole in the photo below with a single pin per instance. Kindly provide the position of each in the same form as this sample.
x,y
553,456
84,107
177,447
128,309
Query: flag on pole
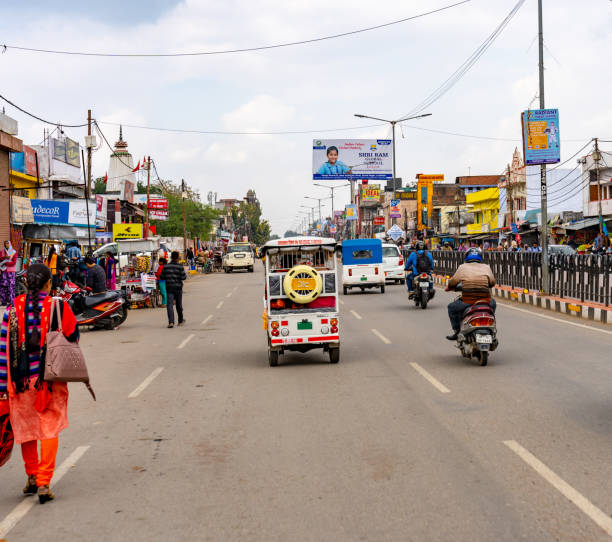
x,y
105,177
137,167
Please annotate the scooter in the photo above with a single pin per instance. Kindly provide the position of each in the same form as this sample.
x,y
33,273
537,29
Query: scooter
x,y
478,333
422,295
107,310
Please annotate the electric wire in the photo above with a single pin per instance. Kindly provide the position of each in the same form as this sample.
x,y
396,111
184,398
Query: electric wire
x,y
238,50
39,118
460,72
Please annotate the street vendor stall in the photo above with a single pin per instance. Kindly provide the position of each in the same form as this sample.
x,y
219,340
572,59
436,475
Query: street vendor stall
x,y
136,263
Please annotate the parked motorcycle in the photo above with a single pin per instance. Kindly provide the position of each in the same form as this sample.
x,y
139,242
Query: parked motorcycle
x,y
422,284
478,334
107,310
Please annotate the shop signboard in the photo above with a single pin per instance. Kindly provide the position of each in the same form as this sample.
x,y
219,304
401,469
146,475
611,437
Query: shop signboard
x,y
437,178
72,153
50,211
158,214
394,209
406,195
29,155
379,220
22,210
541,143
59,150
370,193
158,203
334,159
424,203
77,212
127,231
351,212
395,232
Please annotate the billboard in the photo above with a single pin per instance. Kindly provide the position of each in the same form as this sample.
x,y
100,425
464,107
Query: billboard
x,y
334,159
350,212
72,153
158,203
370,193
50,211
59,150
77,212
22,210
127,231
424,203
541,144
158,214
394,209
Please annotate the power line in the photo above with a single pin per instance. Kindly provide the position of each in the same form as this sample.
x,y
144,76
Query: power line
x,y
39,118
458,74
241,50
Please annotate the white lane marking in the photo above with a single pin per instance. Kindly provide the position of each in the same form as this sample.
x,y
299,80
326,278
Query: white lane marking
x,y
381,336
220,304
24,506
205,321
430,378
358,316
145,383
555,319
229,294
341,302
185,341
598,516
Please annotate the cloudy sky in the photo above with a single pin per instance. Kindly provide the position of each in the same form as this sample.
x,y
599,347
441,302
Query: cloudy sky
x,y
384,73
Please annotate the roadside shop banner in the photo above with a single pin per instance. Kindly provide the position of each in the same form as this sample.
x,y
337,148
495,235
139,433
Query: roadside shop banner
x,y
50,211
77,212
437,178
370,192
22,210
541,140
158,214
394,210
127,231
351,212
334,159
158,203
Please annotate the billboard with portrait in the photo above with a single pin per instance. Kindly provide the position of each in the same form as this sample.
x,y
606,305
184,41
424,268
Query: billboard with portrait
x,y
541,143
334,159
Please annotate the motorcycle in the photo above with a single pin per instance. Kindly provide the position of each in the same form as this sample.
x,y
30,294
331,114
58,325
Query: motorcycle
x,y
478,333
107,310
422,295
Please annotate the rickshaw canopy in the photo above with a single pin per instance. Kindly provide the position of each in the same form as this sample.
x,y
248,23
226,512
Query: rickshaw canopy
x,y
361,251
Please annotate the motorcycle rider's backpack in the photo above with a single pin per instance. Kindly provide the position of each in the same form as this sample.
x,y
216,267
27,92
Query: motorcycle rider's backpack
x,y
423,264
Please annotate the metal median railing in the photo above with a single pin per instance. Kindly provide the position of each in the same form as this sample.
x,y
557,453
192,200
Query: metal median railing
x,y
587,277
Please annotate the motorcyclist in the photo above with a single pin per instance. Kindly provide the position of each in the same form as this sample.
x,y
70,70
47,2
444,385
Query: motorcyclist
x,y
419,261
476,280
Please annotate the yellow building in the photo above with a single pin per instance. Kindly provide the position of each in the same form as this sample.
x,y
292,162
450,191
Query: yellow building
x,y
23,184
485,208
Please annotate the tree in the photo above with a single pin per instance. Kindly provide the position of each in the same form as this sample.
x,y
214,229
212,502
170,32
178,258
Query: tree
x,y
99,186
247,221
198,218
290,233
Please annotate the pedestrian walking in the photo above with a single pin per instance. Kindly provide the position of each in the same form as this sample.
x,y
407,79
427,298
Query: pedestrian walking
x,y
162,283
38,410
174,275
8,259
111,271
51,263
190,258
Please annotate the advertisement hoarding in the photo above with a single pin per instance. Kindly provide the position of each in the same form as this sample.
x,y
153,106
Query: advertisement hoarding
x,y
22,210
29,155
424,203
437,178
77,212
73,156
158,203
406,195
50,211
541,143
127,231
334,159
158,214
379,220
350,212
394,209
370,193
127,190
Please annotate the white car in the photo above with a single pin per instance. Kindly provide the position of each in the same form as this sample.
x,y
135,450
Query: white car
x,y
393,263
239,256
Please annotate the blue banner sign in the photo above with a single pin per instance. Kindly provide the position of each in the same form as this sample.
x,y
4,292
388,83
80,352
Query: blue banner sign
x,y
50,211
541,143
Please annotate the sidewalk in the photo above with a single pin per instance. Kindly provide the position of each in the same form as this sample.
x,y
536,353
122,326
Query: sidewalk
x,y
580,309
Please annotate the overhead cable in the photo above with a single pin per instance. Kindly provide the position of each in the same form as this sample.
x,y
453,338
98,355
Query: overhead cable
x,y
39,118
238,50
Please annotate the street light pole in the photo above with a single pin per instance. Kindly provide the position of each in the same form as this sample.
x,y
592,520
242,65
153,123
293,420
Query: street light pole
x,y
543,188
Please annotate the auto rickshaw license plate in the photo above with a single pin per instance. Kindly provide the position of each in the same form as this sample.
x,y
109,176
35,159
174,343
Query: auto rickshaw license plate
x,y
363,278
304,324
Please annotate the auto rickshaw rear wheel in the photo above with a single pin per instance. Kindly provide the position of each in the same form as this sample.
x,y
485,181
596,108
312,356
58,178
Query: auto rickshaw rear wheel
x,y
334,354
273,357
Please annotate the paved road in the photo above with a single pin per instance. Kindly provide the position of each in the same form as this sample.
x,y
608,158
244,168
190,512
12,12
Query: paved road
x,y
402,440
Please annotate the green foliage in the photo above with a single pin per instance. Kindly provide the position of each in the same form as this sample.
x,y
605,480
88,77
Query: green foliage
x,y
99,186
273,237
198,217
247,221
290,233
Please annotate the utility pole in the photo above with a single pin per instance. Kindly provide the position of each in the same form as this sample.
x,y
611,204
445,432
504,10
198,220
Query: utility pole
x,y
543,189
148,184
597,158
183,194
88,191
509,195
